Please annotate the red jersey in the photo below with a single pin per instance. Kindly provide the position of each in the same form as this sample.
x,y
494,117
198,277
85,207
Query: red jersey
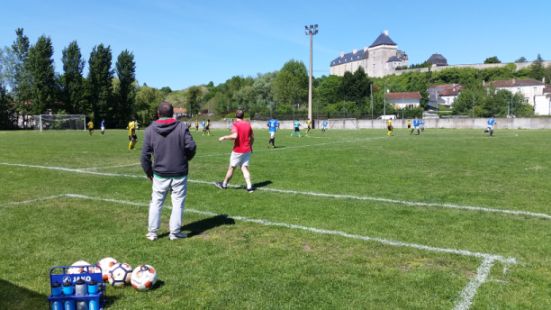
x,y
242,144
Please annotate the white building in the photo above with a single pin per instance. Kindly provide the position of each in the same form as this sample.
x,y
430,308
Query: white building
x,y
379,59
532,90
443,95
401,100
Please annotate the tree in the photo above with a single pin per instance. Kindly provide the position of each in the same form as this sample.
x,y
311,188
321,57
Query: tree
x,y
126,73
521,59
492,60
290,86
40,68
100,78
6,109
72,80
147,102
193,99
328,90
537,71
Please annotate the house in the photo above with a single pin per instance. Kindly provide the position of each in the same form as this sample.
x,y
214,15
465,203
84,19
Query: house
x,y
537,94
180,112
402,100
443,95
529,88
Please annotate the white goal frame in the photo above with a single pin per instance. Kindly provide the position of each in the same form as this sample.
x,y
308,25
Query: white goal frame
x,y
51,121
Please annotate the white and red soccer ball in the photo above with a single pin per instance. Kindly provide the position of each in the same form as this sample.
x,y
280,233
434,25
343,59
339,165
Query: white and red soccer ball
x,y
120,275
106,264
144,277
78,267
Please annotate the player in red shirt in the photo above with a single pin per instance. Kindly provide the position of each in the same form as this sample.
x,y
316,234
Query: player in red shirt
x,y
243,139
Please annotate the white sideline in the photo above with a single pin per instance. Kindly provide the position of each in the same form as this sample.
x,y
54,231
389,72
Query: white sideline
x,y
316,194
466,296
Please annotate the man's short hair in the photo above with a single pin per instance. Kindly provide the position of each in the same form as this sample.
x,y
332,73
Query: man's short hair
x,y
239,114
165,109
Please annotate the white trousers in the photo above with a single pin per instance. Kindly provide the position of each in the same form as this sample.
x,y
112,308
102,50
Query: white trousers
x,y
161,186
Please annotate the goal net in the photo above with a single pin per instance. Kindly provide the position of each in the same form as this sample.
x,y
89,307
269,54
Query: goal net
x,y
342,123
59,121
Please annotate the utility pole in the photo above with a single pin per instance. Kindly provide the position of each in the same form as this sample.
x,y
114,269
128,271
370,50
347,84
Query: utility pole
x,y
311,31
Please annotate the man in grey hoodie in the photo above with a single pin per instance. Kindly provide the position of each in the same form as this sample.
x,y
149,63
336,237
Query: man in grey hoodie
x,y
172,146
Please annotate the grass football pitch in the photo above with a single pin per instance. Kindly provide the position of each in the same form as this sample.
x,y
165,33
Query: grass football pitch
x,y
450,219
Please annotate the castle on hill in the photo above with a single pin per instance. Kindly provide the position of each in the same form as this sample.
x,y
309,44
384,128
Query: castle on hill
x,y
383,58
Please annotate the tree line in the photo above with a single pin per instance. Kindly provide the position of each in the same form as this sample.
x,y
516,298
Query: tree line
x,y
29,85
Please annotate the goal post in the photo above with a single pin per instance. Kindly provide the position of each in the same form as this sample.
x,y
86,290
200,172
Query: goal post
x,y
342,123
59,121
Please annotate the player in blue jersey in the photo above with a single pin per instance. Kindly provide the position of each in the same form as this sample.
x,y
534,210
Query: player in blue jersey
x,y
296,129
102,126
416,126
273,126
324,125
490,124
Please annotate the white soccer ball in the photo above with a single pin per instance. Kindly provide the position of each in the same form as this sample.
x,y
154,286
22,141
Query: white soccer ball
x,y
144,277
78,267
106,264
120,274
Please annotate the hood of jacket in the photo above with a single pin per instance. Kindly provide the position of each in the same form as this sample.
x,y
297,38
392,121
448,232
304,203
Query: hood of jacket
x,y
165,126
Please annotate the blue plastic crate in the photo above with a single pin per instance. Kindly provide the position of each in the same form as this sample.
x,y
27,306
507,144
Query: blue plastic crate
x,y
59,274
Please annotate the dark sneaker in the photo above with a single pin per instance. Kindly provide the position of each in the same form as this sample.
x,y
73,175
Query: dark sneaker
x,y
177,236
250,189
220,185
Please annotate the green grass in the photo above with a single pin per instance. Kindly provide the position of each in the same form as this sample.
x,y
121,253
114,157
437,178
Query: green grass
x,y
235,264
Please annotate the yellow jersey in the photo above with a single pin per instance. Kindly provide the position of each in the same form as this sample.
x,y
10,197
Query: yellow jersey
x,y
389,122
90,125
131,128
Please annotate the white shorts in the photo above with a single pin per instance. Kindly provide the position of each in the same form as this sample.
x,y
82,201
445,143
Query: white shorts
x,y
272,134
240,159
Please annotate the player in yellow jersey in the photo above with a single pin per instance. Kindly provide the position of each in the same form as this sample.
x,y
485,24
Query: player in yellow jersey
x,y
389,127
90,126
132,137
309,124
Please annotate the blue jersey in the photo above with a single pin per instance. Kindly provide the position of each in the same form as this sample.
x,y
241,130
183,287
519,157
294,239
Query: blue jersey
x,y
416,122
324,124
102,123
491,122
273,124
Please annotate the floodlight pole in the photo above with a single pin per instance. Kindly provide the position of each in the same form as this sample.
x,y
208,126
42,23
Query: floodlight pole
x,y
311,31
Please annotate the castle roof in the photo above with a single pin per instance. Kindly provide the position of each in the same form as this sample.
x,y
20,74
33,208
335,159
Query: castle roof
x,y
383,39
350,57
438,60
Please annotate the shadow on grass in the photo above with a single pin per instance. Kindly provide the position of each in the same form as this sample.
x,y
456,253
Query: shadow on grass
x,y
16,297
199,227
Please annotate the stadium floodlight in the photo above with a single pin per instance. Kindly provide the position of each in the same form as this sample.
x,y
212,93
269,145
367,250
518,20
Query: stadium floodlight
x,y
311,31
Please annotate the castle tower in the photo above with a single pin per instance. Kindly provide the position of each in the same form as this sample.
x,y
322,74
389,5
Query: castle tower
x,y
380,52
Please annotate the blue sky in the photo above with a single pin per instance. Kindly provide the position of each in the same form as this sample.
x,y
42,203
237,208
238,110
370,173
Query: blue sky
x,y
184,43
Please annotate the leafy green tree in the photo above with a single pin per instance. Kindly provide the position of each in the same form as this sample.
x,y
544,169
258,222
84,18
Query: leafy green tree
x,y
355,87
290,86
100,78
328,91
126,72
6,109
147,102
40,67
537,71
193,99
492,60
467,100
73,92
521,59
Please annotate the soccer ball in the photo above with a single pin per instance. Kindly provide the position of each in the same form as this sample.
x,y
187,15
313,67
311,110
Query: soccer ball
x,y
144,277
106,264
78,269
120,274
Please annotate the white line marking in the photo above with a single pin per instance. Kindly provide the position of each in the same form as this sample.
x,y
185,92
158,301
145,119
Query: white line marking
x,y
508,260
32,200
467,294
316,194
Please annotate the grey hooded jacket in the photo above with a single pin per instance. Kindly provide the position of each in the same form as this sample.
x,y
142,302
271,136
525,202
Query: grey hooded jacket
x,y
172,146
